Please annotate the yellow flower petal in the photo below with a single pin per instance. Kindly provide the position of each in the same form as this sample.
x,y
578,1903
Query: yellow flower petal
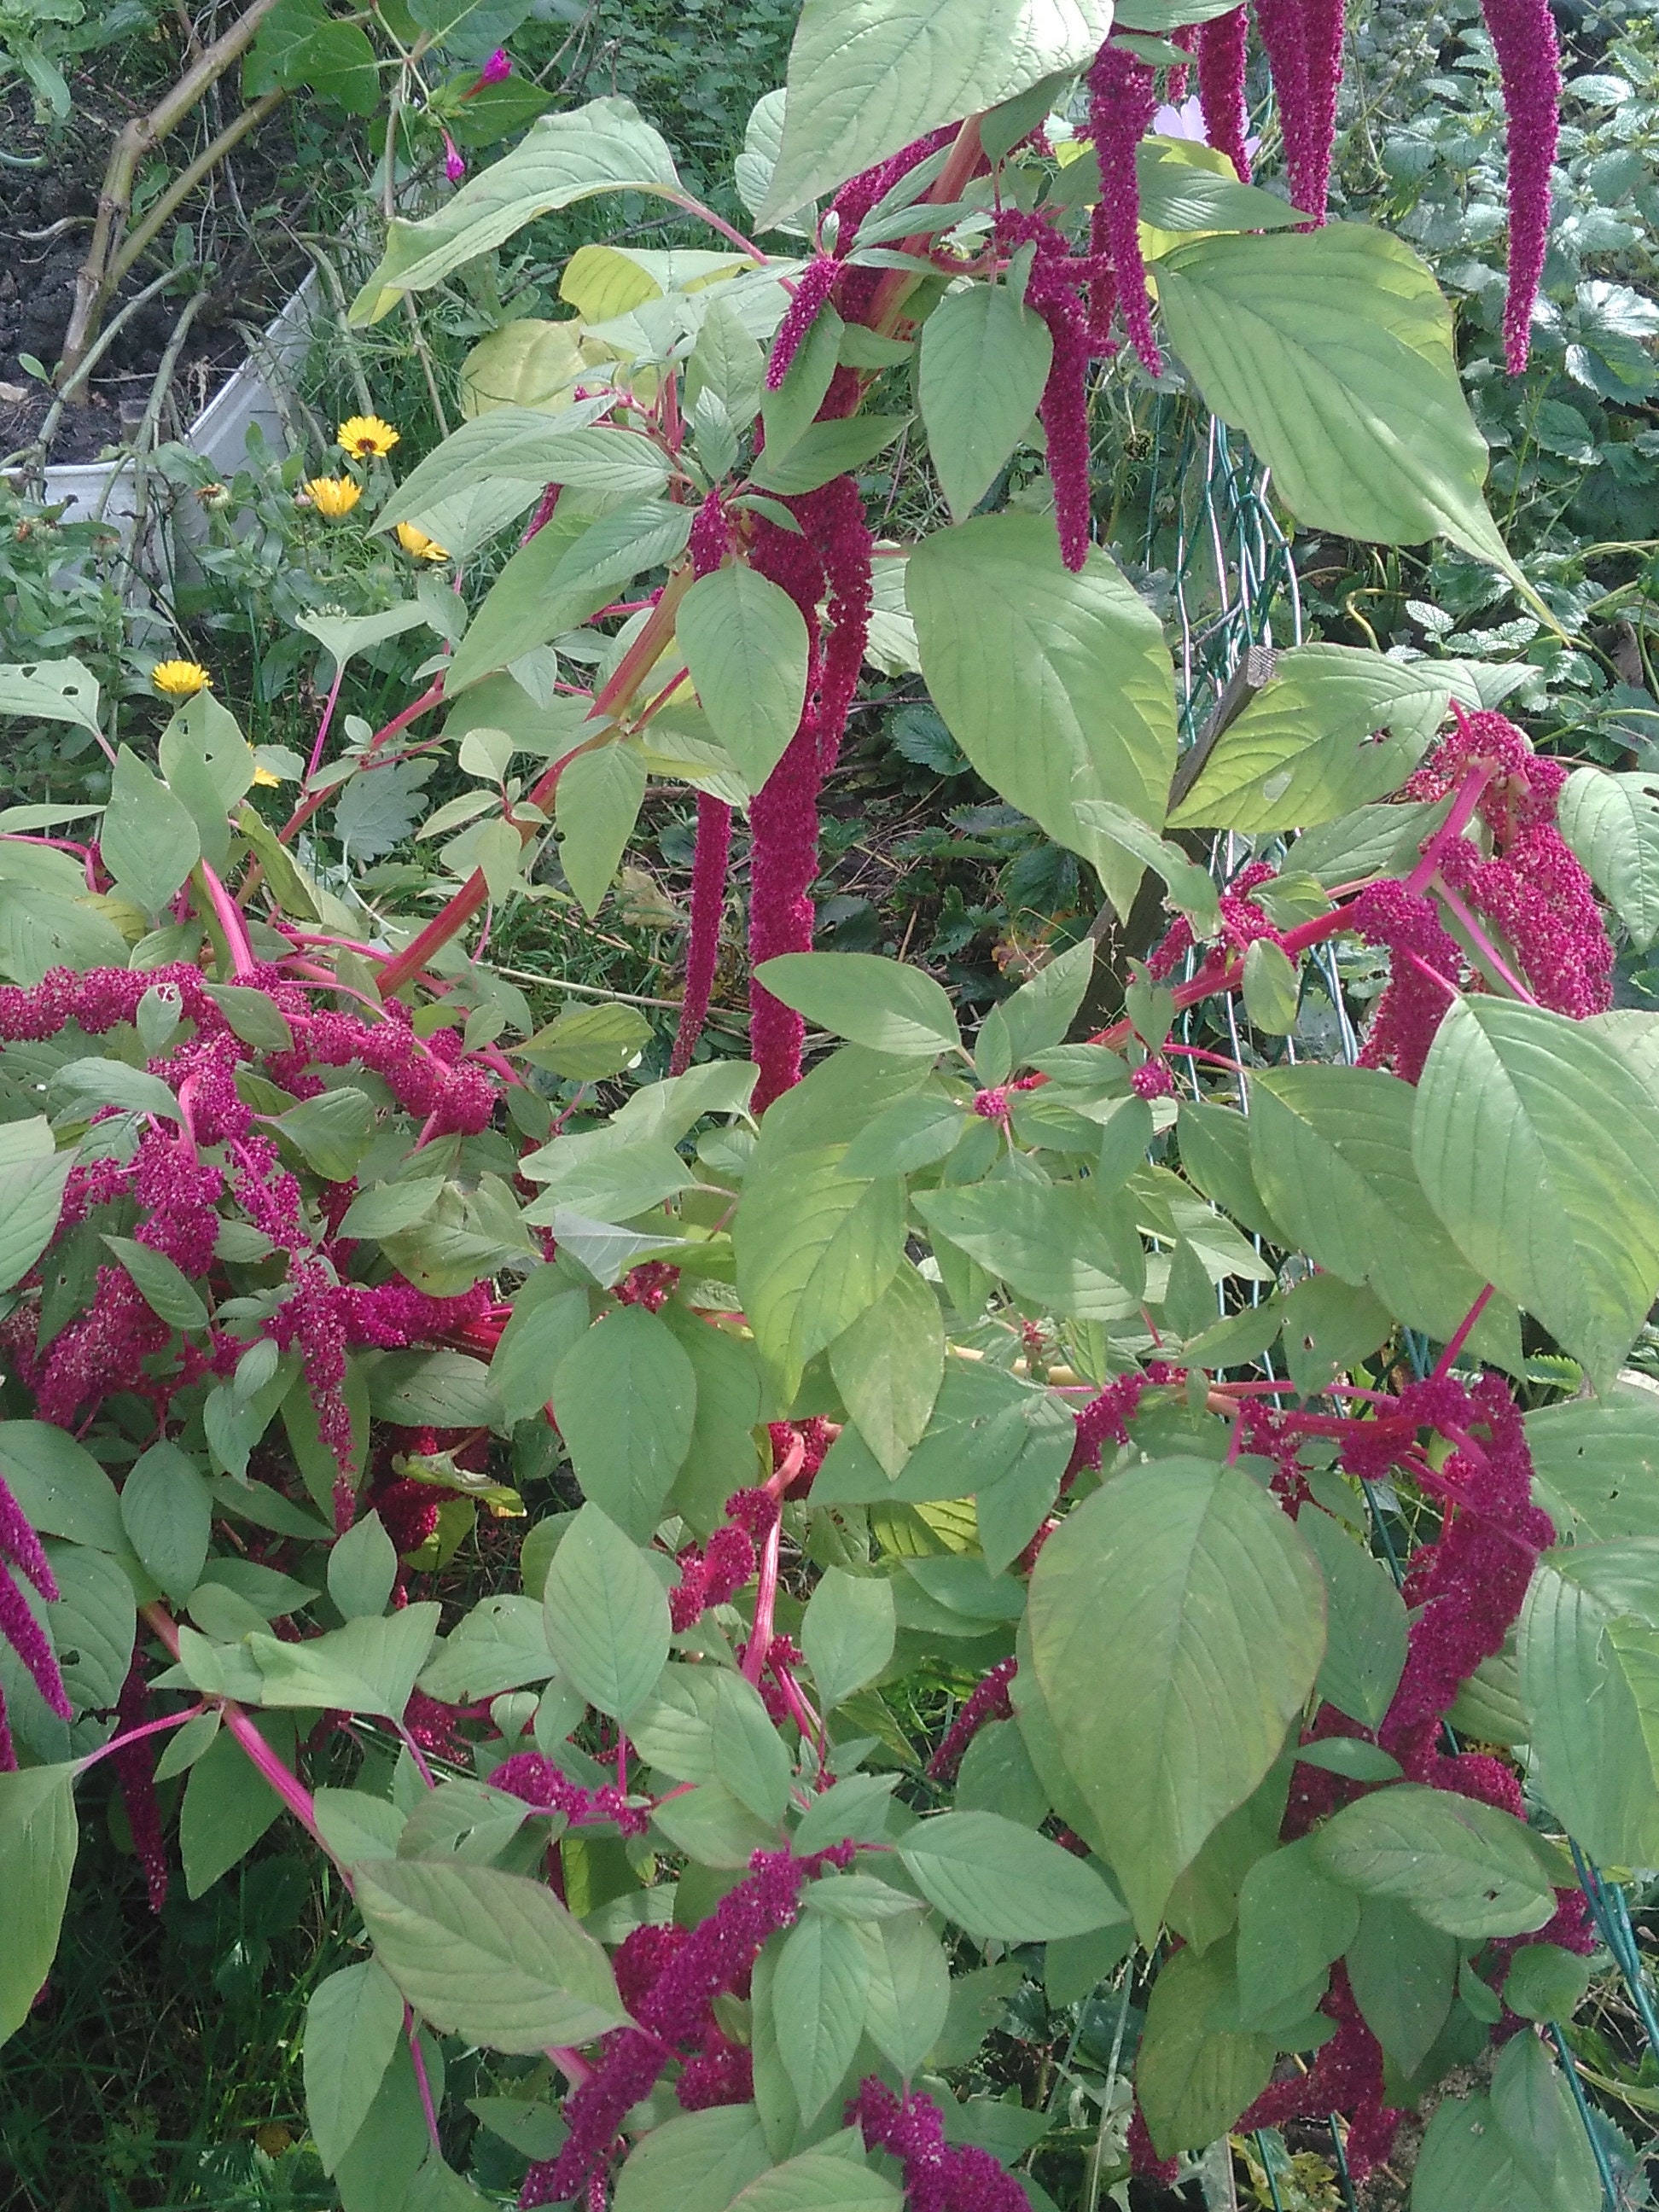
x,y
366,437
179,679
262,775
333,497
415,543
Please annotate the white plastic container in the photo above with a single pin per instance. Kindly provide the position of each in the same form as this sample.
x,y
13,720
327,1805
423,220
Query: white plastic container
x,y
92,488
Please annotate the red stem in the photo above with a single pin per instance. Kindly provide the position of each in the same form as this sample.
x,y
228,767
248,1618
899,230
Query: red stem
x,y
1469,793
229,917
1442,1365
766,1598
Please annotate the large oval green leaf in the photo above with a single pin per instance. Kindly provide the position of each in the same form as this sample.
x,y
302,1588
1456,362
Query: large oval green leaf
x,y
745,642
1462,1866
1177,1624
1539,1149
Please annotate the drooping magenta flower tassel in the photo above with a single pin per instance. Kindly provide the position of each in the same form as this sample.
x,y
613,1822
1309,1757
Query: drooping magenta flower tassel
x,y
135,1766
1185,35
1323,24
835,519
1529,62
1284,35
1123,98
812,288
1223,49
1103,285
1051,291
708,866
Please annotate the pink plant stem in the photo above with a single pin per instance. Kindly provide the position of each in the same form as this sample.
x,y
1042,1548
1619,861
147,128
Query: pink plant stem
x,y
410,1745
571,2063
302,813
287,1786
766,1599
328,717
1469,798
804,1718
229,917
137,1735
417,2059
1483,944
1442,1365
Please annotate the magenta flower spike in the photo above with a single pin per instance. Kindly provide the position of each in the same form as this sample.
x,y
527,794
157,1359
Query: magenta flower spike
x,y
812,288
1284,35
1528,54
1223,50
1122,99
1323,24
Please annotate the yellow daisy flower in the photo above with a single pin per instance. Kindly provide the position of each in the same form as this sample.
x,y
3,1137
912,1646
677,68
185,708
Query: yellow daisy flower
x,y
179,679
333,497
366,437
415,543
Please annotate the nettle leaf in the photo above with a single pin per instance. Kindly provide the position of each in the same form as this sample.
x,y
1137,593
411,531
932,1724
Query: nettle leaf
x,y
1460,1865
996,1879
1331,1153
1331,350
820,1995
847,1632
745,642
1612,822
39,1837
866,79
625,1399
1058,687
1185,1585
1539,1149
607,1615
491,1956
985,358
1191,2080
353,2023
602,147
880,1004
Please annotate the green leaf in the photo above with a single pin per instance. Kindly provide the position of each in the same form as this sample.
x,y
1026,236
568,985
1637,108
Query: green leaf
x,y
814,1249
789,412
1366,1647
708,1724
909,1991
1404,1976
39,1834
1331,350
354,1825
625,1399
1192,2081
500,1645
694,2162
607,1615
491,1956
1272,990
227,1804
295,893
1306,748
252,1015
91,1083
1585,1721
996,1879
51,691
366,1667
32,1180
167,1510
1538,1148
1036,1017
1330,1326
333,1130
818,2181
728,1408
300,43
745,642
1331,1151
1612,823
362,1566
847,1632
385,1208
887,1367
867,78
543,1330
566,573
91,1624
584,1044
712,1828
353,2025
1544,1982
1192,889
343,637
60,1488
1057,687
162,1283
149,842
1461,1865
433,1390
1292,1923
881,1004
562,159
1051,1243
595,806
985,359
379,2171
1185,1585
818,1999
